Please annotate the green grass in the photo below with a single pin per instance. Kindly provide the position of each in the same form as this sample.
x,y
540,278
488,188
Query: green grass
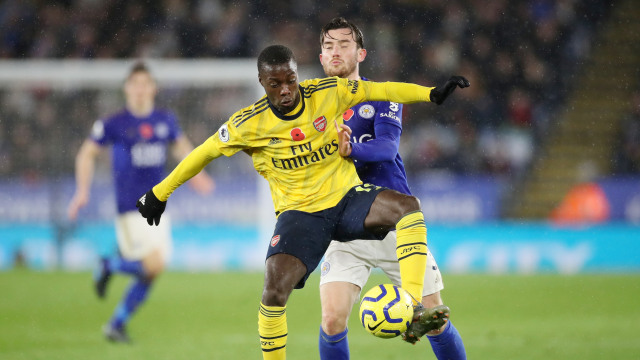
x,y
214,316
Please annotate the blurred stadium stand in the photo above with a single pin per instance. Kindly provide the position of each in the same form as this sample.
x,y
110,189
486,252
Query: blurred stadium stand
x,y
552,81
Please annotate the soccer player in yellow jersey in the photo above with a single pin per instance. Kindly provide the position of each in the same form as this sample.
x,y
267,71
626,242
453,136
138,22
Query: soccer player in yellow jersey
x,y
316,192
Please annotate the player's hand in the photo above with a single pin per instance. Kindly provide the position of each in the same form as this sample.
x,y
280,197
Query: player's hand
x,y
79,200
344,139
440,93
150,207
202,183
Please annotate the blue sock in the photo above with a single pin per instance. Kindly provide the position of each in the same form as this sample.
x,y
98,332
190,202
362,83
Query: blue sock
x,y
448,345
136,294
118,264
333,347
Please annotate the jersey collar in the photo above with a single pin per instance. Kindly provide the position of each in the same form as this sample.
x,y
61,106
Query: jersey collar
x,y
293,116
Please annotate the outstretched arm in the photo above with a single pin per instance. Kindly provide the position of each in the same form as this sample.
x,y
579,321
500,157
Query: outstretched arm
x,y
439,94
152,204
404,93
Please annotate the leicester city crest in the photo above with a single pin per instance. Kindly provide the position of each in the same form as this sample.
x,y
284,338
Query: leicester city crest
x,y
366,111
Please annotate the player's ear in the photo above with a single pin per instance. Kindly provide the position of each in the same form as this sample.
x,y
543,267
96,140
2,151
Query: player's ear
x,y
362,53
320,59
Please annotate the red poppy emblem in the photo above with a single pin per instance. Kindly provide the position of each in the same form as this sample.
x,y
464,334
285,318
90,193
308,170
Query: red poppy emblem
x,y
320,123
275,240
297,134
348,115
145,130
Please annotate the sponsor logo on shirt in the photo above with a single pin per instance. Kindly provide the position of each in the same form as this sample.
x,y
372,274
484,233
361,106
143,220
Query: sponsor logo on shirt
x,y
366,111
304,154
391,115
275,240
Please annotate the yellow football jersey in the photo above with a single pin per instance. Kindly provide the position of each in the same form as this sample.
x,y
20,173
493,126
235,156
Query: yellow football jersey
x,y
296,152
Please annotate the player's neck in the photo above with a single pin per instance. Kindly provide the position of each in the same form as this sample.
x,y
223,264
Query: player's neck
x,y
354,76
140,111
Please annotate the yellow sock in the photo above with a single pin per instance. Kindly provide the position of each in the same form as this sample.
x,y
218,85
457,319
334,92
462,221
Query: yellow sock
x,y
411,249
272,327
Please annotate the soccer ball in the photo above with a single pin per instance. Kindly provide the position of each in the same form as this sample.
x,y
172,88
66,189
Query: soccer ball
x,y
386,310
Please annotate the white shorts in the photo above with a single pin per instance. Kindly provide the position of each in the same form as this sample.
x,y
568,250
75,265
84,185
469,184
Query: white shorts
x,y
136,239
352,262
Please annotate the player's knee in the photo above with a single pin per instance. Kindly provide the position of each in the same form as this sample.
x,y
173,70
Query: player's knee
x,y
333,323
410,204
153,265
274,297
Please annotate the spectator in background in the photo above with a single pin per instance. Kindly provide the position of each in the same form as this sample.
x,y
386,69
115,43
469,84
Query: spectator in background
x,y
628,161
532,46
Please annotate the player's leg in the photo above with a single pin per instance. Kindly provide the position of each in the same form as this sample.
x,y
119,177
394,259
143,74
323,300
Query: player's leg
x,y
444,338
345,270
300,239
337,299
282,273
445,341
149,248
394,209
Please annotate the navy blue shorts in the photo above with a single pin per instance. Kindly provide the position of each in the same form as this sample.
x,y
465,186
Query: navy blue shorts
x,y
307,235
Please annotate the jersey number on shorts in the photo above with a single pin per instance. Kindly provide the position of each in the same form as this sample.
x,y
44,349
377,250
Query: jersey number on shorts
x,y
366,187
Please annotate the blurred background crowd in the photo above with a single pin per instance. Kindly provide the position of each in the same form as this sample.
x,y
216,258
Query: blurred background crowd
x,y
520,56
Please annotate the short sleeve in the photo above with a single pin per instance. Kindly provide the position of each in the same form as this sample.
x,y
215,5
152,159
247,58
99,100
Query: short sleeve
x,y
99,132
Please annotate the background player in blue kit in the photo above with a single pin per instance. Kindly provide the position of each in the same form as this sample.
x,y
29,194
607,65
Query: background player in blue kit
x,y
374,129
140,135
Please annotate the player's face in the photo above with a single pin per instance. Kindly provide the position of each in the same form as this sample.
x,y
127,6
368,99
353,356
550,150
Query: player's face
x,y
140,91
280,82
340,54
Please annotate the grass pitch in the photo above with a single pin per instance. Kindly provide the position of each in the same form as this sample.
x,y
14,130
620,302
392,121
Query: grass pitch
x,y
214,316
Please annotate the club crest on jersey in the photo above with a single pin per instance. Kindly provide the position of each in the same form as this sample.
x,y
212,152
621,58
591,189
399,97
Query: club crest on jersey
x,y
275,240
297,135
348,115
162,130
366,111
223,133
320,123
145,130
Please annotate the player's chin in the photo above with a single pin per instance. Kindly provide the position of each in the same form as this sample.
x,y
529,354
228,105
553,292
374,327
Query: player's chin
x,y
334,71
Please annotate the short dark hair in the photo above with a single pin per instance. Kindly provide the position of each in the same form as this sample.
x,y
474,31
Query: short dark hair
x,y
138,67
275,55
342,23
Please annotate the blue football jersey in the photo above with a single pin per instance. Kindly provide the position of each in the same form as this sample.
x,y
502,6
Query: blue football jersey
x,y
139,151
364,119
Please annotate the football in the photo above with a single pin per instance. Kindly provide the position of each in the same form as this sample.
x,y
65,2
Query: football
x,y
386,310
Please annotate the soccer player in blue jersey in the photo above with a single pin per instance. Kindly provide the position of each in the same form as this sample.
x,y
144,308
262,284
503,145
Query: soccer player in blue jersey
x,y
140,136
374,129
315,189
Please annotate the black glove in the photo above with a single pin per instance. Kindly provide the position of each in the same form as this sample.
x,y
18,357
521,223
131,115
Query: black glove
x,y
150,207
440,93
